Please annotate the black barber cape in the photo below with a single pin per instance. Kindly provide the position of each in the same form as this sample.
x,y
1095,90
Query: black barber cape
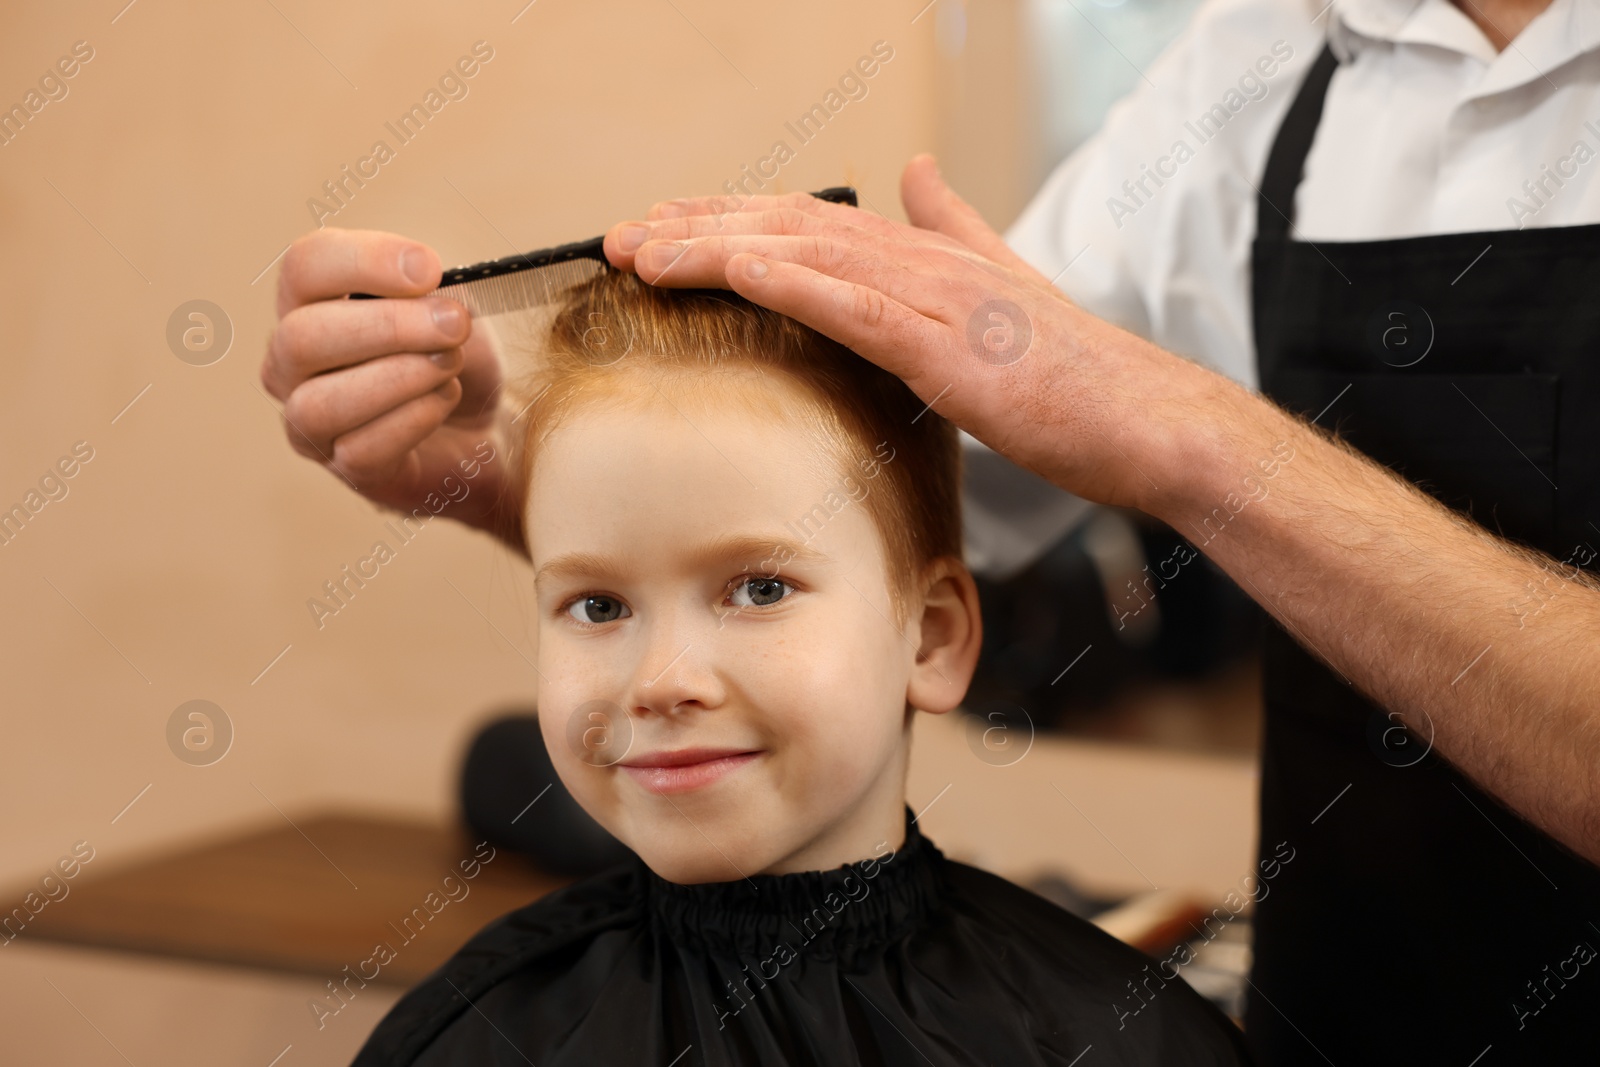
x,y
907,961
1422,921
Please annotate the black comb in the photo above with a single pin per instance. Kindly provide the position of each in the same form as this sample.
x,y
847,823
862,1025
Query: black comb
x,y
534,279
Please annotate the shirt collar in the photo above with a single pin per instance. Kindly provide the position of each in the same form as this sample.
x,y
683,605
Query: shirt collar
x,y
1560,33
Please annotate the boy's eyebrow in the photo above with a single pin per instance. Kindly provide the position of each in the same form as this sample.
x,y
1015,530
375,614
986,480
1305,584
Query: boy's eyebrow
x,y
759,553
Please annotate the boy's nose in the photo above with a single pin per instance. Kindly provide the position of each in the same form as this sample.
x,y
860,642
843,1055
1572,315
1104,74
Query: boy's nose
x,y
677,668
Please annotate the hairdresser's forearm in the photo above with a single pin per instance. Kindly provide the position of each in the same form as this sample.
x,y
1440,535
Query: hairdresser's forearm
x,y
1424,611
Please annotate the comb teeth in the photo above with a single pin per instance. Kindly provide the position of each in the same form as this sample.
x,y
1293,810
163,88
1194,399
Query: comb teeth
x,y
524,289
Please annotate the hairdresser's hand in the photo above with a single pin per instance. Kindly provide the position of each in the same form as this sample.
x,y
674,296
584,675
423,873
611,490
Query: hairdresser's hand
x,y
393,395
985,339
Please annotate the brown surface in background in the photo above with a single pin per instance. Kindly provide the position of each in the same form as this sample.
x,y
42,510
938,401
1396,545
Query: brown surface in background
x,y
1219,714
311,899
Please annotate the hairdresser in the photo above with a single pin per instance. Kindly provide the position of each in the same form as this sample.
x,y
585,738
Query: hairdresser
x,y
1377,218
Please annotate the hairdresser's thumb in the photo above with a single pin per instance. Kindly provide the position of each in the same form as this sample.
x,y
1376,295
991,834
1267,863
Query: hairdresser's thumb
x,y
932,205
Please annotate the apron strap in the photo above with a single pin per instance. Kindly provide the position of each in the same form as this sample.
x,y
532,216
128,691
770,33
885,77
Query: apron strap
x,y
1286,162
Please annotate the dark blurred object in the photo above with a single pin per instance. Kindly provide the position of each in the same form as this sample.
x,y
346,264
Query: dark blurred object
x,y
1064,893
1156,922
512,796
1217,959
1120,598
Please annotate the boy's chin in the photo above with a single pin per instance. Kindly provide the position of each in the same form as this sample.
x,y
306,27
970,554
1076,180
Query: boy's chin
x,y
686,854
687,867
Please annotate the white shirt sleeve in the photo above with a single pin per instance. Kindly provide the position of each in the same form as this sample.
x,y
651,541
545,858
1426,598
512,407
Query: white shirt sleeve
x,y
1165,257
1156,212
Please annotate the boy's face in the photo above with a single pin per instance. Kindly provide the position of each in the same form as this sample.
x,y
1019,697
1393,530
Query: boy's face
x,y
679,634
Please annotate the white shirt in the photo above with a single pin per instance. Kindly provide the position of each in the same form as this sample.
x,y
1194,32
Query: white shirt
x,y
1425,130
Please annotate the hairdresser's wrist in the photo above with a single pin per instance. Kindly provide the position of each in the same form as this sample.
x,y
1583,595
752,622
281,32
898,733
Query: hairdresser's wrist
x,y
1211,443
1114,418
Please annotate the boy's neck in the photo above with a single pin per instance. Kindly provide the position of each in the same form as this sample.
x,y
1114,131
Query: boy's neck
x,y
870,830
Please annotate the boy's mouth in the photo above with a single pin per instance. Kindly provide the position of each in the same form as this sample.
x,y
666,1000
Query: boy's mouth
x,y
685,769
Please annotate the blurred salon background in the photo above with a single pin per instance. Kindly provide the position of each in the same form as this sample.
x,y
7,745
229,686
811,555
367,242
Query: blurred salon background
x,y
217,798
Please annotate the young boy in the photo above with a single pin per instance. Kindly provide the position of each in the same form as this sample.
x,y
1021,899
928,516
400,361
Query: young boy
x,y
749,578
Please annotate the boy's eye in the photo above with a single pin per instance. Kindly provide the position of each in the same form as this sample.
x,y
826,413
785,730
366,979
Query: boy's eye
x,y
762,591
597,609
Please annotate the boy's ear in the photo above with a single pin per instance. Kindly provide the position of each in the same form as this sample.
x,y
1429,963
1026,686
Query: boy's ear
x,y
949,637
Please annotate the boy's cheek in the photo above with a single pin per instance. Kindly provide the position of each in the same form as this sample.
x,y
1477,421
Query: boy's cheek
x,y
836,746
586,782
585,730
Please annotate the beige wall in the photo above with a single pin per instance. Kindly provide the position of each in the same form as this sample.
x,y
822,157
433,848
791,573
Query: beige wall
x,y
180,562
987,114
190,144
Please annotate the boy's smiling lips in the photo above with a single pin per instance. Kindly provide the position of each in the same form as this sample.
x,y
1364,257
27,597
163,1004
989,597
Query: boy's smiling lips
x,y
685,769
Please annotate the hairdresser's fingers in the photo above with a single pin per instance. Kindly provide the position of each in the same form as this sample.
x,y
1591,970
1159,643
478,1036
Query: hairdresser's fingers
x,y
384,451
926,278
703,262
737,205
860,317
932,205
333,404
338,333
623,240
332,262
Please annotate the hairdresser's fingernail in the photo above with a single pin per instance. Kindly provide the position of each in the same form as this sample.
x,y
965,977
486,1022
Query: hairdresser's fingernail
x,y
663,255
632,236
415,266
447,317
672,209
445,358
756,269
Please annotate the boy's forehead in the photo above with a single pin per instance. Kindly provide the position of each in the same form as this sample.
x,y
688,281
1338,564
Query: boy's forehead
x,y
713,439
682,474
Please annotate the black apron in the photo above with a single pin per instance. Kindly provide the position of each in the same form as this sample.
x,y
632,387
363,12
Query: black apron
x,y
1419,920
